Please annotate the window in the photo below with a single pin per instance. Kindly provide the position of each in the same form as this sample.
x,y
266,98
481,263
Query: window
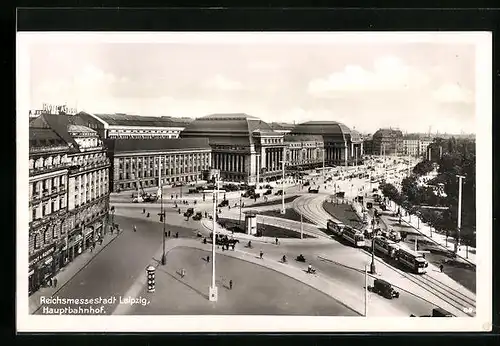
x,y
36,241
54,232
46,236
33,213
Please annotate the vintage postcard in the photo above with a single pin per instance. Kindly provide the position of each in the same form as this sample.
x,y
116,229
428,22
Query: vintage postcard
x,y
214,182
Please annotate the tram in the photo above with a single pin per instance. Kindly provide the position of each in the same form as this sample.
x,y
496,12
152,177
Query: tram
x,y
335,227
353,236
385,246
412,260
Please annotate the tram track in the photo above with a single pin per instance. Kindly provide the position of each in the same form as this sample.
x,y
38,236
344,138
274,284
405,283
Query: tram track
x,y
440,290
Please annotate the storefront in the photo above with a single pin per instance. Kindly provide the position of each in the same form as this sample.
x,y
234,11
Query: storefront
x,y
41,268
75,246
88,233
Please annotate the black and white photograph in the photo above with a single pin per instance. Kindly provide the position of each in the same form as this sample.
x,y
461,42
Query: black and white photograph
x,y
254,181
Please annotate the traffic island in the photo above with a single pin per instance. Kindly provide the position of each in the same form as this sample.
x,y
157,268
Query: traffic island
x,y
255,290
262,230
344,213
290,214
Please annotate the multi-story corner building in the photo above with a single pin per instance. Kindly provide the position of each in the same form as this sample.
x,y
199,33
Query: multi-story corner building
x,y
48,184
126,126
423,144
242,146
411,145
304,151
342,146
86,186
137,161
388,142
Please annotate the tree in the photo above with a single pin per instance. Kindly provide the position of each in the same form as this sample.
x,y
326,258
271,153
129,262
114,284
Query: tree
x,y
409,188
423,168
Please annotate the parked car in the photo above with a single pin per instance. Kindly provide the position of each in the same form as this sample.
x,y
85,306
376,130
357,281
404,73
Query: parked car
x,y
224,203
369,205
384,289
189,212
268,187
198,216
193,191
311,190
268,192
439,312
307,183
279,193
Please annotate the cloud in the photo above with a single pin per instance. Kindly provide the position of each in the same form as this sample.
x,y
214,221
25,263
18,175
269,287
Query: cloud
x,y
453,93
388,73
222,83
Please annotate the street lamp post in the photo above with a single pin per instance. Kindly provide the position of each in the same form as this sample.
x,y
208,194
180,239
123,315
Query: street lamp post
x,y
240,210
257,161
459,216
283,183
213,288
366,290
162,212
372,265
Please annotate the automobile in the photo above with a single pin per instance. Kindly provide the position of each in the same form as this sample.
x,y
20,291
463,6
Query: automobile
x,y
223,203
198,216
369,205
383,207
268,192
329,179
384,288
177,184
268,187
254,195
279,193
307,183
192,191
311,190
189,212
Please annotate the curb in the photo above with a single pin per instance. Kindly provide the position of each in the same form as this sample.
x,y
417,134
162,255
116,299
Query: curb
x,y
78,271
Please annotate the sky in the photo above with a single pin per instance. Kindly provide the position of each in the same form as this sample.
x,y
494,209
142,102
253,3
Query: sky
x,y
366,85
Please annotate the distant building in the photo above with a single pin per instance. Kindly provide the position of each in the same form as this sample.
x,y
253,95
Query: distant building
x,y
304,151
136,162
368,145
423,144
241,144
342,145
69,193
411,145
388,142
126,126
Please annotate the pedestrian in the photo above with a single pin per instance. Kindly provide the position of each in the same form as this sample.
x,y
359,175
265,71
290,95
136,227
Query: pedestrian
x,y
50,282
441,267
147,215
143,210
55,282
91,248
169,234
277,241
230,284
261,254
177,234
204,240
208,259
100,241
183,272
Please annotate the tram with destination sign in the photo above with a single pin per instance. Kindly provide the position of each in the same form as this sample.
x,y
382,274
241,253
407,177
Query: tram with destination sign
x,y
412,260
335,227
385,246
353,236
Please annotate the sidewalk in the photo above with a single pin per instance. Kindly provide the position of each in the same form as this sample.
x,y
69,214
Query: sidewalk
x,y
66,273
467,254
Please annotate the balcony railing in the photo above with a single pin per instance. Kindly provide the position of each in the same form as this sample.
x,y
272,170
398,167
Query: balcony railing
x,y
47,169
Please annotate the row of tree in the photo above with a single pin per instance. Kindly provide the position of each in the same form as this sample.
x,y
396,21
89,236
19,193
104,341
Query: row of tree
x,y
457,158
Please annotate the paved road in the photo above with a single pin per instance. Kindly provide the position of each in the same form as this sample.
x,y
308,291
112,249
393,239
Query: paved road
x,y
113,271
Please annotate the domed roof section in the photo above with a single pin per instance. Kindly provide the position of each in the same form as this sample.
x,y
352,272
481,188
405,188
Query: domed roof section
x,y
356,136
388,133
323,128
228,128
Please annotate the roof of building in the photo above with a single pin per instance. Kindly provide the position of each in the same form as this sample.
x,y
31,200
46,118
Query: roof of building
x,y
356,136
232,128
411,136
302,138
151,145
81,129
44,137
59,124
121,119
323,128
388,133
281,126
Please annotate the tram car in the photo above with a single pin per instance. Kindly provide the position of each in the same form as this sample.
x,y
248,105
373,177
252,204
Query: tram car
x,y
353,236
412,260
335,227
385,247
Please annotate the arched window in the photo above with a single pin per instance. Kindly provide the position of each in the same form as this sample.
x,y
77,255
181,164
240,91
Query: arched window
x,y
46,236
36,241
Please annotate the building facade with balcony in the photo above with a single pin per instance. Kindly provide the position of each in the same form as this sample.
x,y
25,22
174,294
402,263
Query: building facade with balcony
x,y
343,147
48,183
136,161
127,126
86,189
388,142
243,146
